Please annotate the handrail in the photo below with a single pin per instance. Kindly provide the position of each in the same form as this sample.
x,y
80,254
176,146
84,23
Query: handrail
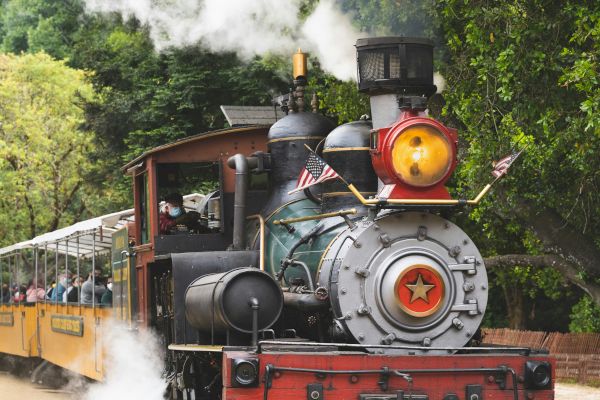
x,y
340,213
441,202
261,221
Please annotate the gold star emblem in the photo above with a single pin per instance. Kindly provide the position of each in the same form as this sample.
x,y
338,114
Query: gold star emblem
x,y
419,290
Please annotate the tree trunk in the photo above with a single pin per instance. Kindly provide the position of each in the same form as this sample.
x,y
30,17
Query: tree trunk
x,y
513,297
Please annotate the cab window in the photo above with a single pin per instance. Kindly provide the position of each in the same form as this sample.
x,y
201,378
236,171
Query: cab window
x,y
198,185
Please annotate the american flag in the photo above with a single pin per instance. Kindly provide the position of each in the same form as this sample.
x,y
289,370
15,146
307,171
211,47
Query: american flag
x,y
501,166
315,171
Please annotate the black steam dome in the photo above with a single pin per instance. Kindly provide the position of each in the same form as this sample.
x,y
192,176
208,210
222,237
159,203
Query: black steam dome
x,y
303,125
397,65
287,140
346,150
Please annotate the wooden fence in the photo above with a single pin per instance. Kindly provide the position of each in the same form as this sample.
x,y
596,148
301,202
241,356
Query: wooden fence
x,y
577,354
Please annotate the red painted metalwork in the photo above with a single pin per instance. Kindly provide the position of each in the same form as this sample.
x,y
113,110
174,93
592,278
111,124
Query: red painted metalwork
x,y
382,142
293,385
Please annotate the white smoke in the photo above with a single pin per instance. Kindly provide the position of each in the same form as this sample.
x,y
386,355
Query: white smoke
x,y
132,365
439,81
332,38
247,27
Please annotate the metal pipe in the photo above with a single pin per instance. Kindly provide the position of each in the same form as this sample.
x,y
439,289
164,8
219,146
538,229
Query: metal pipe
x,y
255,306
66,292
311,285
10,281
45,272
314,217
240,163
35,285
94,271
304,301
432,202
17,257
55,291
261,221
78,277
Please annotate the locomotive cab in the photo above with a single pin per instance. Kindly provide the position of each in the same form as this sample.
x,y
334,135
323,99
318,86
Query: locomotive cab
x,y
196,168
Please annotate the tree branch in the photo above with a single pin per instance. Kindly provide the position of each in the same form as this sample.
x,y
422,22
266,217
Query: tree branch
x,y
561,238
568,269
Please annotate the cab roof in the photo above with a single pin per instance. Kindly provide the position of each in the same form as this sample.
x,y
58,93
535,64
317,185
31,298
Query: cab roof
x,y
193,139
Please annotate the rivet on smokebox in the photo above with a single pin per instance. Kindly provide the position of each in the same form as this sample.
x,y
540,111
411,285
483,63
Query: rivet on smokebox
x,y
363,310
454,251
422,233
458,324
362,272
388,339
385,239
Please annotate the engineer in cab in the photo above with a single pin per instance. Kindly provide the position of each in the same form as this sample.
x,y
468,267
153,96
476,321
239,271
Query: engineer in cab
x,y
174,218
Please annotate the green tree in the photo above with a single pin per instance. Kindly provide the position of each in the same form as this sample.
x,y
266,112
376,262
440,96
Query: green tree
x,y
36,25
44,153
525,73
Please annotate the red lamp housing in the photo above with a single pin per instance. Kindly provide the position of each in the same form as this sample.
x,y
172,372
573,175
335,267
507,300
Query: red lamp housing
x,y
414,157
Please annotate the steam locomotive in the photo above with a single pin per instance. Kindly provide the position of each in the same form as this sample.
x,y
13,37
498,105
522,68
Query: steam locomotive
x,y
358,287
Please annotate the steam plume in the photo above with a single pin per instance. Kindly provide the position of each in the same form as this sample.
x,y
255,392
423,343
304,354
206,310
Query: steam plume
x,y
133,366
246,27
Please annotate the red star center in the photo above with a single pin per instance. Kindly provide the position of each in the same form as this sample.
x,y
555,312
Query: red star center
x,y
419,290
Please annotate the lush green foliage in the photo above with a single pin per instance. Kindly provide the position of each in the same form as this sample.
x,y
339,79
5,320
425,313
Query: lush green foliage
x,y
44,153
522,72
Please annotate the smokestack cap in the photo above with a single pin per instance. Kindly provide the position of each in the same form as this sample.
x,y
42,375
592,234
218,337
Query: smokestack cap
x,y
395,65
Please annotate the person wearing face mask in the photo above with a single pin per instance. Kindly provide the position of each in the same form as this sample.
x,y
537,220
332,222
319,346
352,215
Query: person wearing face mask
x,y
107,296
92,289
61,287
170,211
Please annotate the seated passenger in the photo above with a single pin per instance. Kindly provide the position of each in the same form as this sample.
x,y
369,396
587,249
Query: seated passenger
x,y
73,293
107,296
20,293
173,218
4,294
61,287
89,289
35,292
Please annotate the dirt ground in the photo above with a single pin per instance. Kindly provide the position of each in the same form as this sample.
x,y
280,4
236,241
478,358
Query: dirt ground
x,y
15,388
567,391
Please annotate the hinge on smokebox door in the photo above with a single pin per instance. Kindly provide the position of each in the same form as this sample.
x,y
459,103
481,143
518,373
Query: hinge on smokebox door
x,y
469,265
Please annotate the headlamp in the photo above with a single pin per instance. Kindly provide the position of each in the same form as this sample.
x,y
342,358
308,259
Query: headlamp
x,y
421,156
244,372
538,375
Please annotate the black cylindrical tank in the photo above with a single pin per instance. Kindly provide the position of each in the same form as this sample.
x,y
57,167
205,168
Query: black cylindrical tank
x,y
287,140
223,301
346,150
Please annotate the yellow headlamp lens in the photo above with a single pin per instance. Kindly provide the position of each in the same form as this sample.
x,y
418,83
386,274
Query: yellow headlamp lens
x,y
421,156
